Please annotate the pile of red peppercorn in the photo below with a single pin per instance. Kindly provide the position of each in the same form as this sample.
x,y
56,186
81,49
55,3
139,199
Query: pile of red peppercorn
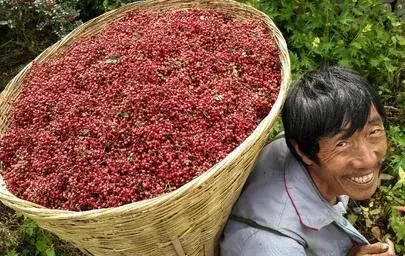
x,y
138,110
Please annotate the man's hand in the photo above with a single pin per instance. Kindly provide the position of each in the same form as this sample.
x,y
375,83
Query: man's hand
x,y
376,249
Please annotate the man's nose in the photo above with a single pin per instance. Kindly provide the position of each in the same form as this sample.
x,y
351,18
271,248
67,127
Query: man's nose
x,y
366,156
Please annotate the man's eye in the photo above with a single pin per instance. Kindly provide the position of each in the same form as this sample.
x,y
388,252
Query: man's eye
x,y
341,144
376,131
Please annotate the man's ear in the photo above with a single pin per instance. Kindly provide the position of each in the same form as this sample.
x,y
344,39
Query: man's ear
x,y
304,157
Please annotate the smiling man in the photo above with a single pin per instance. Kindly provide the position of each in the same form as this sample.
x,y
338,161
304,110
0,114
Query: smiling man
x,y
295,200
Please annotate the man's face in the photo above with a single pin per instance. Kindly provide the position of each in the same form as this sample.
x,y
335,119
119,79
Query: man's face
x,y
351,166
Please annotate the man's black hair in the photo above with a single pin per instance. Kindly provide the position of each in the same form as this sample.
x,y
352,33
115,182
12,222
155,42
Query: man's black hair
x,y
323,102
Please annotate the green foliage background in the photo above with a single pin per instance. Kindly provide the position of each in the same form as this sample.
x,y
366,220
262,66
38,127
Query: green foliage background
x,y
360,34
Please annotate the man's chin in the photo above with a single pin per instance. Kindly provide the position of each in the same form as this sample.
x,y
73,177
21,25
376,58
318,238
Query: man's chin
x,y
363,195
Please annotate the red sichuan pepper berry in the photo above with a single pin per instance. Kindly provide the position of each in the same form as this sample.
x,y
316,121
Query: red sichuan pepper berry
x,y
139,110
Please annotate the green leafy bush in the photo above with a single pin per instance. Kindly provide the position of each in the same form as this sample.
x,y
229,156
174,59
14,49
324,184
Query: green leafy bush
x,y
395,196
396,155
113,4
92,8
360,34
35,24
34,241
27,27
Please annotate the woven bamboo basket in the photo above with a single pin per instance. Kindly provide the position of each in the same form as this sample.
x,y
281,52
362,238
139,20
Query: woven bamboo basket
x,y
187,221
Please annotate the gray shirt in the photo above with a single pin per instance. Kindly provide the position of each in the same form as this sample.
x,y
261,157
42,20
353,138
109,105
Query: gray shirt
x,y
280,196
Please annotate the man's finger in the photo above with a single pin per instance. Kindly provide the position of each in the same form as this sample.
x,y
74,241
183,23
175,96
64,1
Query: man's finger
x,y
374,248
391,247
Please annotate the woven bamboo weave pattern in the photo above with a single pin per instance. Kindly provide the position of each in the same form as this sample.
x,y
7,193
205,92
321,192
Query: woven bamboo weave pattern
x,y
187,221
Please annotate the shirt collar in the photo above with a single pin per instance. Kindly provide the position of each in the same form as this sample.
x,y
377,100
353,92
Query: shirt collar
x,y
313,210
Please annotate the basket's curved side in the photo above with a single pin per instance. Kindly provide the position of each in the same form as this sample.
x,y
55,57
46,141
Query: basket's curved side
x,y
189,219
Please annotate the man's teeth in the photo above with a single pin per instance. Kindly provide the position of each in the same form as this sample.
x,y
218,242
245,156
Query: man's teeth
x,y
363,179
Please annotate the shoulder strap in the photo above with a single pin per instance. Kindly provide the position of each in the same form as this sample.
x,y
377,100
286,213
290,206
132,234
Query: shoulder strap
x,y
253,224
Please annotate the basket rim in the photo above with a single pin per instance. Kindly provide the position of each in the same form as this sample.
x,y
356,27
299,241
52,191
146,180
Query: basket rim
x,y
30,207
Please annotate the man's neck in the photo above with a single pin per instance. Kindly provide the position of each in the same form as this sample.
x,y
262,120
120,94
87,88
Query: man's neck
x,y
323,188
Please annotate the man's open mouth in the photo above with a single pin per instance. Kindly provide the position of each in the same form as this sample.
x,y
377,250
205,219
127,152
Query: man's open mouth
x,y
363,179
